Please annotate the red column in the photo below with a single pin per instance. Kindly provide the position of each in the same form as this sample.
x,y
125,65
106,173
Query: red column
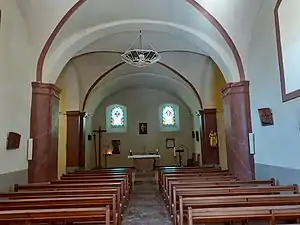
x,y
210,154
82,140
237,127
44,131
75,145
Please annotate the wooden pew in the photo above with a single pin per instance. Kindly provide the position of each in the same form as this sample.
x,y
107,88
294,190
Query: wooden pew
x,y
78,189
235,201
70,202
212,184
162,175
265,213
185,170
64,194
93,176
125,183
101,171
60,193
88,175
165,180
86,186
113,169
227,191
101,214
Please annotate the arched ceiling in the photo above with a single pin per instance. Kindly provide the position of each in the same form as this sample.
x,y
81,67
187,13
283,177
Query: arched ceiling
x,y
59,29
142,80
161,41
105,70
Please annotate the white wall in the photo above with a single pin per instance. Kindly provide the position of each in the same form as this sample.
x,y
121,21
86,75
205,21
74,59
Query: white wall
x,y
142,105
276,145
15,82
289,23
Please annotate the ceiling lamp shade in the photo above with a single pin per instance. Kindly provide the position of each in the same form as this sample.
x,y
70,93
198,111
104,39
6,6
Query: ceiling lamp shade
x,y
140,57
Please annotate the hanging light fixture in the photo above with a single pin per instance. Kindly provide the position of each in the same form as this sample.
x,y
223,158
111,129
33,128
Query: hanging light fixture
x,y
140,57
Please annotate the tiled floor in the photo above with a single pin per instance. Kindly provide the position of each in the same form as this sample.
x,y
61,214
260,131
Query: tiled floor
x,y
146,206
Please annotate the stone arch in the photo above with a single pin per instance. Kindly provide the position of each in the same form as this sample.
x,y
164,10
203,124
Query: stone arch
x,y
215,51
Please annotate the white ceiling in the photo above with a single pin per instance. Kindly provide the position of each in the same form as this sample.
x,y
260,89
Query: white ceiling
x,y
96,19
161,41
170,25
194,68
112,25
138,81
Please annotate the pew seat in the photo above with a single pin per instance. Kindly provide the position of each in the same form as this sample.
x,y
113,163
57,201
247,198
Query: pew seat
x,y
238,214
101,215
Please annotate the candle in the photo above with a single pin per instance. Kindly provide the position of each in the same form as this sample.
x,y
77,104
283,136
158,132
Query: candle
x,y
157,151
174,152
130,152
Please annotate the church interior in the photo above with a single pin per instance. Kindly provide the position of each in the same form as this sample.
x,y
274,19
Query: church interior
x,y
149,112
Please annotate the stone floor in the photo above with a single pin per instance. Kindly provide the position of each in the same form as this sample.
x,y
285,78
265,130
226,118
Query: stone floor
x,y
146,206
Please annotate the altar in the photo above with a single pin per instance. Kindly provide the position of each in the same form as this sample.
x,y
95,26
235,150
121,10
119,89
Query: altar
x,y
144,162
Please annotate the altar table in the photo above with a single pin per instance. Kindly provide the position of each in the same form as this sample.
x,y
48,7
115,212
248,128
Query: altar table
x,y
144,162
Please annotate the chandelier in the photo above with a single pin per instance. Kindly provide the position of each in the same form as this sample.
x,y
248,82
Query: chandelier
x,y
140,57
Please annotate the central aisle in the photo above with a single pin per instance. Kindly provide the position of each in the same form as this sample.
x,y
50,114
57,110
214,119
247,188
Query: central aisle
x,y
146,205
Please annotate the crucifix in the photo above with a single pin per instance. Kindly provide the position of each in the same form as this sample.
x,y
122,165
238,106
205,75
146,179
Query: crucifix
x,y
99,131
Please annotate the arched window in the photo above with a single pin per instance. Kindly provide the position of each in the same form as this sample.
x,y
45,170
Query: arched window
x,y
116,119
169,117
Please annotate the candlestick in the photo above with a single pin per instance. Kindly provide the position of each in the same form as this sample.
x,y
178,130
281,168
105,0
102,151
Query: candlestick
x,y
174,152
130,152
157,151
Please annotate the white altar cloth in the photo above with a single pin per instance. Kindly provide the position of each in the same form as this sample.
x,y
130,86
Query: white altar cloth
x,y
143,156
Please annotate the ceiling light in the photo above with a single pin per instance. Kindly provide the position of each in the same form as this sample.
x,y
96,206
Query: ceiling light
x,y
140,57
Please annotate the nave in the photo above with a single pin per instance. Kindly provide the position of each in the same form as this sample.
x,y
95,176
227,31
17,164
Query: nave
x,y
168,195
146,204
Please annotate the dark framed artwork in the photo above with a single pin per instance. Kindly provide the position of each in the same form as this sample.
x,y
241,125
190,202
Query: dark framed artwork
x,y
266,116
13,141
197,136
116,145
170,142
143,128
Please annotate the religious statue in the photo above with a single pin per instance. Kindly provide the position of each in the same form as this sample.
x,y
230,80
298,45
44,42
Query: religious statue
x,y
213,139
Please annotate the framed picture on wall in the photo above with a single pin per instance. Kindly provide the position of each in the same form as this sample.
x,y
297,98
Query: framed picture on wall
x,y
170,142
266,116
13,141
116,146
143,128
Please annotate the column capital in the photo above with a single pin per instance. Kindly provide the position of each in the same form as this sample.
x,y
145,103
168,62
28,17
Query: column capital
x,y
209,111
45,89
235,88
75,113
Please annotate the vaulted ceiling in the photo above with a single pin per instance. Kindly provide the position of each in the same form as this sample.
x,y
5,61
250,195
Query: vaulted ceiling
x,y
218,29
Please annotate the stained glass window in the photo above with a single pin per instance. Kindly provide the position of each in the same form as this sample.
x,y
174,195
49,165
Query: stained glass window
x,y
116,119
169,117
